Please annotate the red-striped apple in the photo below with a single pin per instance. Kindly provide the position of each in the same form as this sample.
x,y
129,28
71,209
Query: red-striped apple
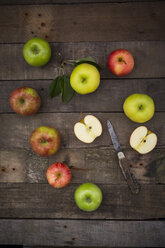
x,y
58,175
120,62
45,141
25,101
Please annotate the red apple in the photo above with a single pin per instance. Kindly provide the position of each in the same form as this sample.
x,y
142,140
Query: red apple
x,y
120,62
45,141
58,175
25,101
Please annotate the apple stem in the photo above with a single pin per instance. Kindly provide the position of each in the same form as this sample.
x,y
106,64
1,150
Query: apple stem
x,y
121,60
70,62
62,67
124,61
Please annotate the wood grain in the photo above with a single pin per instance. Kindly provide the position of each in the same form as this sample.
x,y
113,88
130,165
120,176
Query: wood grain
x,y
108,98
81,22
15,130
98,165
19,200
26,2
81,233
149,59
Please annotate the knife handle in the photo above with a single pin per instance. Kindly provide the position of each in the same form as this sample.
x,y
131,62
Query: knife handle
x,y
129,176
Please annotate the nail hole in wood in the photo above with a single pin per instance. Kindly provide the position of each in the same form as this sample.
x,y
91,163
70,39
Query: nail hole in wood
x,y
131,165
65,226
46,36
26,14
73,239
141,164
13,169
42,89
43,24
3,169
39,15
32,32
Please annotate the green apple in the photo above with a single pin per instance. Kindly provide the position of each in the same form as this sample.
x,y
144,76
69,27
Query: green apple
x,y
85,78
37,52
88,197
139,107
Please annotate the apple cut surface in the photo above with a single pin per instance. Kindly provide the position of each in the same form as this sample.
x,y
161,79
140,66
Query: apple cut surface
x,y
88,130
148,144
142,140
137,136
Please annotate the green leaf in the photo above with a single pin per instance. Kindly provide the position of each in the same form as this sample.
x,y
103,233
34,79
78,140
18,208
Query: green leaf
x,y
55,87
88,60
66,89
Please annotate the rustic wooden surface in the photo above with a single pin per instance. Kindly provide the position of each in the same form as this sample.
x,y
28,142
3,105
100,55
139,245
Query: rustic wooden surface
x,y
32,212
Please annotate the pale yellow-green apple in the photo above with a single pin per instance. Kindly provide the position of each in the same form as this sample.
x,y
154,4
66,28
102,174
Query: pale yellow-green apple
x,y
85,78
142,140
45,140
139,107
88,129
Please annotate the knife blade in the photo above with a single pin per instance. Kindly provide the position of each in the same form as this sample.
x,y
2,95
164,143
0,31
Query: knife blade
x,y
123,161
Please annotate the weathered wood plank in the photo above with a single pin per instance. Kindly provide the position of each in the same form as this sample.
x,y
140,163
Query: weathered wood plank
x,y
82,233
26,2
98,165
43,201
111,94
108,22
15,130
149,59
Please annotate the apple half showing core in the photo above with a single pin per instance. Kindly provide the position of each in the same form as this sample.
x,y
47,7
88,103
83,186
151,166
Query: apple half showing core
x,y
45,141
142,140
88,196
85,78
88,129
58,175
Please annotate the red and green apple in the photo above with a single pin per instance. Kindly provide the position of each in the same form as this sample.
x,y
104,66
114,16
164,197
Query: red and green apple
x,y
25,101
58,175
45,140
120,62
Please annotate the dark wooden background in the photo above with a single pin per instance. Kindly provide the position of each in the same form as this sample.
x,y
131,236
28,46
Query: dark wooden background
x,y
32,212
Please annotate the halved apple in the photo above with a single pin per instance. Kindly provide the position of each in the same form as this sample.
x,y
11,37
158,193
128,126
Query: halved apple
x,y
142,140
88,129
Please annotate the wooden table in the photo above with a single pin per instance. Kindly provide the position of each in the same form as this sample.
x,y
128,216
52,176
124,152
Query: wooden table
x,y
34,213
